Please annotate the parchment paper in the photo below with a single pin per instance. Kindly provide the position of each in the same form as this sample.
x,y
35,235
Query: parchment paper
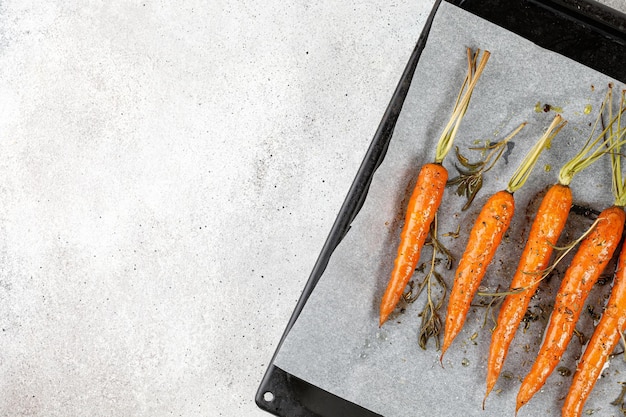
x,y
337,344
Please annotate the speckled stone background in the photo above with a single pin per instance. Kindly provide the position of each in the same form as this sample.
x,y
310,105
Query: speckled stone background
x,y
169,172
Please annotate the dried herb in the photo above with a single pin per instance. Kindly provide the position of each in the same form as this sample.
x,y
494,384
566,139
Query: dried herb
x,y
592,313
470,178
619,401
564,371
431,324
582,339
495,298
455,234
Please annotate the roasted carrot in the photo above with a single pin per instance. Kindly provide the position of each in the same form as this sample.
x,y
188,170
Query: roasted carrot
x,y
593,254
421,211
427,195
485,237
604,340
613,321
544,233
595,251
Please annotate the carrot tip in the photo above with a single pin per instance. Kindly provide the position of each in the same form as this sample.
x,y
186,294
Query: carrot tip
x,y
489,388
519,404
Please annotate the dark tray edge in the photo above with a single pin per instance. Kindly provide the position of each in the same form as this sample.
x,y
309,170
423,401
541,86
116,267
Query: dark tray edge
x,y
274,377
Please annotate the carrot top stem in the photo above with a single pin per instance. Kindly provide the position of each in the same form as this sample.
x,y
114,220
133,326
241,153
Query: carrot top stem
x,y
619,187
523,171
460,107
594,148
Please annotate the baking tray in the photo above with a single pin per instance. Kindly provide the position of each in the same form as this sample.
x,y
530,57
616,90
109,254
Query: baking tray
x,y
583,31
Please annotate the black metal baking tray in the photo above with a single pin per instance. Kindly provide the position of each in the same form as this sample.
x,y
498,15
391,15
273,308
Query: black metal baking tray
x,y
585,31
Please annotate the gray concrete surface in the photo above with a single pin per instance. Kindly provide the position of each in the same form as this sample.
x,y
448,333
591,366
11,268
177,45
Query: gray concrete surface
x,y
170,171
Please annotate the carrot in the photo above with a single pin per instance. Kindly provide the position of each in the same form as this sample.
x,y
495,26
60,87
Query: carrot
x,y
421,211
604,340
595,251
485,236
593,254
427,195
613,322
544,233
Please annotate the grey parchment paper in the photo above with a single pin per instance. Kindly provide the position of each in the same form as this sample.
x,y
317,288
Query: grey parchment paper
x,y
337,344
